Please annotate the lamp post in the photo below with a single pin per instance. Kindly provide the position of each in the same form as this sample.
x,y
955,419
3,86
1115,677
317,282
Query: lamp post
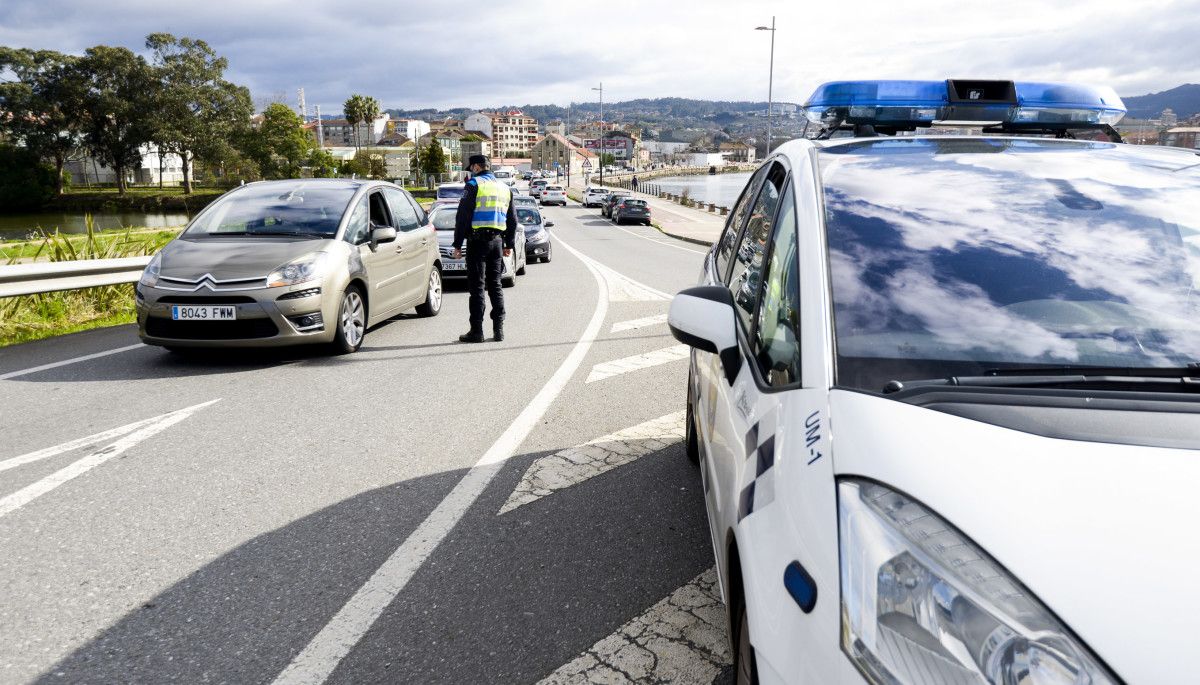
x,y
601,89
770,80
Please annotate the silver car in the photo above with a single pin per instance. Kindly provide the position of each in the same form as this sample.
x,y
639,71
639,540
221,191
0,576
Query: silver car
x,y
442,219
292,262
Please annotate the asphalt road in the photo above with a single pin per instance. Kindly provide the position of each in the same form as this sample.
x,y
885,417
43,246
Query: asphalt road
x,y
420,511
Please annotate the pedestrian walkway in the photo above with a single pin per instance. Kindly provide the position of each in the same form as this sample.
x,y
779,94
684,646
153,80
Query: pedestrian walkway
x,y
677,221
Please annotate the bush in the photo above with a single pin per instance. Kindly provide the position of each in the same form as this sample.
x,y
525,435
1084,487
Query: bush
x,y
25,182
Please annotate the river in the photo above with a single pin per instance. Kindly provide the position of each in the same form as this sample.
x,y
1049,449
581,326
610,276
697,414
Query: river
x,y
16,226
720,189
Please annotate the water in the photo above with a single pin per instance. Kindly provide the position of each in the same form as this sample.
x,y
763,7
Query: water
x,y
21,225
721,189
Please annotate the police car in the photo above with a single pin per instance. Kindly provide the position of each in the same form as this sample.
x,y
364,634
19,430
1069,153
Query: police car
x,y
943,394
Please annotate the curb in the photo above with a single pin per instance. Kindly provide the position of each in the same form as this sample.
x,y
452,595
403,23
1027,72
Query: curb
x,y
694,241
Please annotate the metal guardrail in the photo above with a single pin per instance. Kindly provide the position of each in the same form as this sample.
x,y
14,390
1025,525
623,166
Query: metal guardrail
x,y
45,277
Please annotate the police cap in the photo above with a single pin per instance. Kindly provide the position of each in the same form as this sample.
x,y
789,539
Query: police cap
x,y
481,160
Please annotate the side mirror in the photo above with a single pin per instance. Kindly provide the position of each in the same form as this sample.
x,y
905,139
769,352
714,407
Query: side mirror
x,y
703,317
382,234
548,224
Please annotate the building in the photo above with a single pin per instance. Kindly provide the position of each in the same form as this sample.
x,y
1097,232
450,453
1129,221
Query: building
x,y
451,141
593,129
409,128
339,132
556,127
86,171
555,149
475,143
1181,136
1168,117
663,153
738,153
512,133
623,146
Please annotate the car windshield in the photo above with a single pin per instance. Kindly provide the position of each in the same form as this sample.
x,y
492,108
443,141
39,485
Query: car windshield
x,y
451,192
306,209
528,216
443,219
959,256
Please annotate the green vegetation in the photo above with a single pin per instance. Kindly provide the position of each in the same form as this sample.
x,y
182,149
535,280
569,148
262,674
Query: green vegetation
x,y
142,199
25,182
358,109
45,315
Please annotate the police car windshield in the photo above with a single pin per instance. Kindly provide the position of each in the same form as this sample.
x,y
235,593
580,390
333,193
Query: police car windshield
x,y
956,256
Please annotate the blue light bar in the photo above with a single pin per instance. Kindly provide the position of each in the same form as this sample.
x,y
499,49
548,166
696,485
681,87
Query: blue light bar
x,y
906,105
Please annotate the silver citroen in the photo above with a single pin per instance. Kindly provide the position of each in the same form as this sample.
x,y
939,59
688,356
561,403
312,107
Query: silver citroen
x,y
292,262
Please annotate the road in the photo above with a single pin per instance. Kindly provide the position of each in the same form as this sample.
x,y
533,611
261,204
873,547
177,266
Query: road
x,y
420,511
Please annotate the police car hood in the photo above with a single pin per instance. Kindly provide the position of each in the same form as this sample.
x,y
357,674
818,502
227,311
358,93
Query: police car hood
x,y
1104,534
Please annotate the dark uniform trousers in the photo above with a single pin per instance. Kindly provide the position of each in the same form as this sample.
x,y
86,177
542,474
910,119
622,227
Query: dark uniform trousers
x,y
485,263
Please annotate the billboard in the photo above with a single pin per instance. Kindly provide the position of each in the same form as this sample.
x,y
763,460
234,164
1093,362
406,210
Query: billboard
x,y
610,145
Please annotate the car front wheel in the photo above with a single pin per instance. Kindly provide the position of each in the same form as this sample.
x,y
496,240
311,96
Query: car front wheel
x,y
692,441
352,322
433,295
743,659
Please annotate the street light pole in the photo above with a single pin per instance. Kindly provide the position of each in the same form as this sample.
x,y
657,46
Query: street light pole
x,y
770,81
601,156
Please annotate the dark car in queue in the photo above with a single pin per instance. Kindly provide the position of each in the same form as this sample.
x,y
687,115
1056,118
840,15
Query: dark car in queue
x,y
631,209
291,262
610,201
442,219
537,238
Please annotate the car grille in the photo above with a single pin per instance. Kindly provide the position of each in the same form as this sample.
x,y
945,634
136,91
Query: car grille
x,y
206,299
240,329
447,252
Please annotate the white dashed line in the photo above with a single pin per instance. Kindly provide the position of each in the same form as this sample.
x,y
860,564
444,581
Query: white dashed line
x,y
639,323
74,360
575,465
637,362
682,639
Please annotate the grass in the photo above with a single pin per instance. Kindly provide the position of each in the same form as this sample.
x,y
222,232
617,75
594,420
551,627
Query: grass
x,y
37,250
33,317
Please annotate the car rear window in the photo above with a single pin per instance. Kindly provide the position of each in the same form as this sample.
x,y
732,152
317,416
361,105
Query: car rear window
x,y
443,219
635,203
450,193
553,187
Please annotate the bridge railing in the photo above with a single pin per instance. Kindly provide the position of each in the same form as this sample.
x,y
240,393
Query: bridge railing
x,y
44,277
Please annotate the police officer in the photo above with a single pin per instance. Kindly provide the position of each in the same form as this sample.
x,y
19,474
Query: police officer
x,y
487,222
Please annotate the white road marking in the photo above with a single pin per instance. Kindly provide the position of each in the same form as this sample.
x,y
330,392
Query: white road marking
x,y
661,242
637,362
621,288
75,444
75,360
31,492
574,465
325,651
634,324
681,639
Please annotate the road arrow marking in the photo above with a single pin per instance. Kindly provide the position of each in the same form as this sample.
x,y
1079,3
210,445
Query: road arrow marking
x,y
637,362
132,434
679,640
622,288
635,324
572,466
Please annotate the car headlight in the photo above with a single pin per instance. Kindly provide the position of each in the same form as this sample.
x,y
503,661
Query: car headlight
x,y
307,268
922,604
150,273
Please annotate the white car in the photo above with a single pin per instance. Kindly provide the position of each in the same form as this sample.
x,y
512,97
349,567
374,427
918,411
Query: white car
x,y
593,196
506,175
553,195
943,397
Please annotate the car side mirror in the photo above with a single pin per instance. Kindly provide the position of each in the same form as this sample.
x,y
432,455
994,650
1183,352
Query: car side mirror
x,y
548,224
382,234
703,317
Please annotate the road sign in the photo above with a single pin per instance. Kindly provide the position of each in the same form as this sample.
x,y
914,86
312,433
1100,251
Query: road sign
x,y
587,164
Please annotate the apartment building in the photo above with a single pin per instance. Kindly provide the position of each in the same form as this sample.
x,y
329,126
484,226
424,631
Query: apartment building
x,y
512,133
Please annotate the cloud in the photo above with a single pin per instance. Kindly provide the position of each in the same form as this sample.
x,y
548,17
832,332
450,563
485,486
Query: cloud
x,y
419,54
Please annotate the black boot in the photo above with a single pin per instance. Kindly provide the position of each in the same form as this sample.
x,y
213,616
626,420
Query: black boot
x,y
498,331
475,335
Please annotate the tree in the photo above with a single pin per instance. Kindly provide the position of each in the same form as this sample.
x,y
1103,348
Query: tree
x,y
42,105
117,92
26,183
607,160
279,145
195,108
322,163
433,161
359,109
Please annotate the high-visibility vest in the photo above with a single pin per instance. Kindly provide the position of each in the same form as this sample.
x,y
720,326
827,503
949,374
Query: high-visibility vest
x,y
491,204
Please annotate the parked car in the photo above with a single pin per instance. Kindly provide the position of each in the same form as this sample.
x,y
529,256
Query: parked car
x,y
593,196
526,176
553,195
631,209
449,193
292,262
537,185
610,200
442,219
537,238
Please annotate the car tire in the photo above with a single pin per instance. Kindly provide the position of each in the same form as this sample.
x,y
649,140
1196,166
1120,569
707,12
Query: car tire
x,y
549,253
691,439
745,671
524,263
433,295
351,322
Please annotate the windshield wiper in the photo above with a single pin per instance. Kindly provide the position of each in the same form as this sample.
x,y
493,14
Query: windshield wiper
x,y
1132,377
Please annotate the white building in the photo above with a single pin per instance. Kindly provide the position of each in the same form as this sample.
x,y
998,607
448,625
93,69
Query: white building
x,y
410,128
86,171
339,132
512,133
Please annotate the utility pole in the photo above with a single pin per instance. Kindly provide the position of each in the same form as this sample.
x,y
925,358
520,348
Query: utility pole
x,y
601,157
303,108
320,130
770,81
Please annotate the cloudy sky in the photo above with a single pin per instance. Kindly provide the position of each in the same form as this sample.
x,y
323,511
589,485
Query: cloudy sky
x,y
446,54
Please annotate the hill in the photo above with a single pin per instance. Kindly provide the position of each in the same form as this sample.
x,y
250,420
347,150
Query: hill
x,y
1184,100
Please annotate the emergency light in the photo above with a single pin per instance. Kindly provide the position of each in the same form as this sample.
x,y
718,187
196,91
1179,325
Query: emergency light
x,y
1007,105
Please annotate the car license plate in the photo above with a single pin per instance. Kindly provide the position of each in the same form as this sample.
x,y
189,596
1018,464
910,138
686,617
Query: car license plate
x,y
454,266
184,313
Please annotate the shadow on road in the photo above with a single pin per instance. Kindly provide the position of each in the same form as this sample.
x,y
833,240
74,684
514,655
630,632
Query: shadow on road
x,y
504,598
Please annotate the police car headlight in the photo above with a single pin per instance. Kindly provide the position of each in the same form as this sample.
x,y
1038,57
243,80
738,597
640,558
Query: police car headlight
x,y
921,603
307,268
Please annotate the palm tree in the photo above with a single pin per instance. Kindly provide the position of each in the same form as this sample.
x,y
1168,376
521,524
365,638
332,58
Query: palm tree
x,y
370,111
352,110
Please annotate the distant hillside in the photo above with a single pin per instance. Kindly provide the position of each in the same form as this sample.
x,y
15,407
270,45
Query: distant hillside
x,y
637,109
1184,100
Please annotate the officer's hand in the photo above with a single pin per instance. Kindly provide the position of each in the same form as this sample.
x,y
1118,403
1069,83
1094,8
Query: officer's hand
x,y
458,253
508,252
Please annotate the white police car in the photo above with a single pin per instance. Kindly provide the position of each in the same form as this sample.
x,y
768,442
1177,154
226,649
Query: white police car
x,y
944,395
